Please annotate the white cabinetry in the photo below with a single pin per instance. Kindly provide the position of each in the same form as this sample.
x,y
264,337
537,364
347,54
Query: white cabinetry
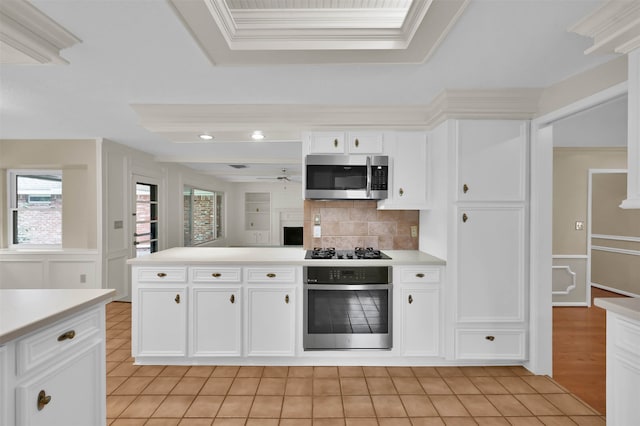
x,y
409,183
257,217
419,301
342,142
161,312
216,327
271,320
490,211
56,375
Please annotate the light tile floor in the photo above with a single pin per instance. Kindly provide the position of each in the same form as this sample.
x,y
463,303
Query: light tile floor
x,y
327,396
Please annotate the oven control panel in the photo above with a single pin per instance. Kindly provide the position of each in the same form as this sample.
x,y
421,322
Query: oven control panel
x,y
347,275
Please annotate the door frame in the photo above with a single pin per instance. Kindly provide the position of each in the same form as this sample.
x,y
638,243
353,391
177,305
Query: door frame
x,y
540,309
135,179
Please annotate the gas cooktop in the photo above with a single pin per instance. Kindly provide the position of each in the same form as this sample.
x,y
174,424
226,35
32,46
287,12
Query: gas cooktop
x,y
357,253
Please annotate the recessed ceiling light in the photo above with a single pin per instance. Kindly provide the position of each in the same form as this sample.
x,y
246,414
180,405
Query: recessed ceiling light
x,y
257,135
206,137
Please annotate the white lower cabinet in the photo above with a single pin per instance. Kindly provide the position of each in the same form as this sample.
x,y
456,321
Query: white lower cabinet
x,y
66,394
216,326
490,344
271,320
161,326
420,306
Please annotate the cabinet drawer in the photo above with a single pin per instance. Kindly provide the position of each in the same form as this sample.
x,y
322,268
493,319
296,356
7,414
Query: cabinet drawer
x,y
419,275
271,275
156,275
60,338
490,344
209,274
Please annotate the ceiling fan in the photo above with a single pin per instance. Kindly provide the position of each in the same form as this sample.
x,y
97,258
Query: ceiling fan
x,y
282,177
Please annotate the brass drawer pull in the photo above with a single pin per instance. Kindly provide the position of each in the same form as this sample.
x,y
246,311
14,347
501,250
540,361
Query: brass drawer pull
x,y
465,188
401,192
286,299
161,274
465,217
420,275
410,299
335,142
271,275
67,336
177,299
232,299
357,143
216,275
490,338
43,399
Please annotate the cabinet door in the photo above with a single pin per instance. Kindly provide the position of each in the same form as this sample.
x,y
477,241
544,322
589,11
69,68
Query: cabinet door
x,y
492,160
71,392
420,307
326,143
365,142
6,412
271,323
162,321
408,188
491,272
215,321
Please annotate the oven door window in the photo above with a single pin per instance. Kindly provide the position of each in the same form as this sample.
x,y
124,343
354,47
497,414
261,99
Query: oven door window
x,y
348,311
336,177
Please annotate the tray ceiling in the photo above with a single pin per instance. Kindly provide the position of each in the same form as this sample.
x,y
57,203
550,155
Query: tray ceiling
x,y
318,31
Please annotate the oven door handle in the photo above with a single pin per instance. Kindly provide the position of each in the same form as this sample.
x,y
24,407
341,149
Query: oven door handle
x,y
348,286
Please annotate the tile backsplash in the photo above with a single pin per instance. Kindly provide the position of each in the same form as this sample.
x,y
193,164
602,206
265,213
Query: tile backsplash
x,y
349,224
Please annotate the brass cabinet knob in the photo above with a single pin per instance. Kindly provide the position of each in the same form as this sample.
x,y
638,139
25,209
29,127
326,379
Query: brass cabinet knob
x,y
232,299
465,217
257,209
419,275
286,299
177,299
465,188
161,274
335,142
401,192
216,275
490,338
43,399
271,275
410,299
357,143
67,336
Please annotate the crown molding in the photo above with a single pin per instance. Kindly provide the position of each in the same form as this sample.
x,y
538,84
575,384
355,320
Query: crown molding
x,y
180,123
31,35
266,36
614,27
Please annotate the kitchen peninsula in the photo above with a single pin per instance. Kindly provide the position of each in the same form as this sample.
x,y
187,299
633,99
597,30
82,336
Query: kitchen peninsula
x,y
247,306
52,356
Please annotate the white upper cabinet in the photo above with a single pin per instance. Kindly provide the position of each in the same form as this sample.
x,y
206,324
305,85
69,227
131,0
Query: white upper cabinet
x,y
408,186
342,142
492,160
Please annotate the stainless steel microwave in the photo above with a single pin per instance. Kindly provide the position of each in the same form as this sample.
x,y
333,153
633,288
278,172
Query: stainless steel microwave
x,y
346,177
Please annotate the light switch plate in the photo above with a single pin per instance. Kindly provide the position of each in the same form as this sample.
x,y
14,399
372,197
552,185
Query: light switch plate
x,y
317,233
414,231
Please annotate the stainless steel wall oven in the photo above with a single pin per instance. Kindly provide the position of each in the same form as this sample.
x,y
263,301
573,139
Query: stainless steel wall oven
x,y
347,307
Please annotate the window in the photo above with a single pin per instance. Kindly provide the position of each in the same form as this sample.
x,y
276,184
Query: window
x,y
35,203
146,233
202,216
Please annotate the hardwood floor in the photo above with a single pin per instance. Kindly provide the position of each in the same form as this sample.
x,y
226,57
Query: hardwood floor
x,y
579,350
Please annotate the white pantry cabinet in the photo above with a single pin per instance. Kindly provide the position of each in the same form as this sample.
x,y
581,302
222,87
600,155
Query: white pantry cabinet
x,y
215,323
271,320
410,168
492,160
343,142
161,320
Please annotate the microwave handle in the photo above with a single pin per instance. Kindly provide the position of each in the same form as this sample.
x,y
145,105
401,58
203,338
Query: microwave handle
x,y
368,176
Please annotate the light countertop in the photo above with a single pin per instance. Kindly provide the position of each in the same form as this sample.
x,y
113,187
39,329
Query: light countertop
x,y
273,255
626,306
23,311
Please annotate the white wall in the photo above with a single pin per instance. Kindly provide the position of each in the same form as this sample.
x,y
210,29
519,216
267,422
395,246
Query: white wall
x,y
286,195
